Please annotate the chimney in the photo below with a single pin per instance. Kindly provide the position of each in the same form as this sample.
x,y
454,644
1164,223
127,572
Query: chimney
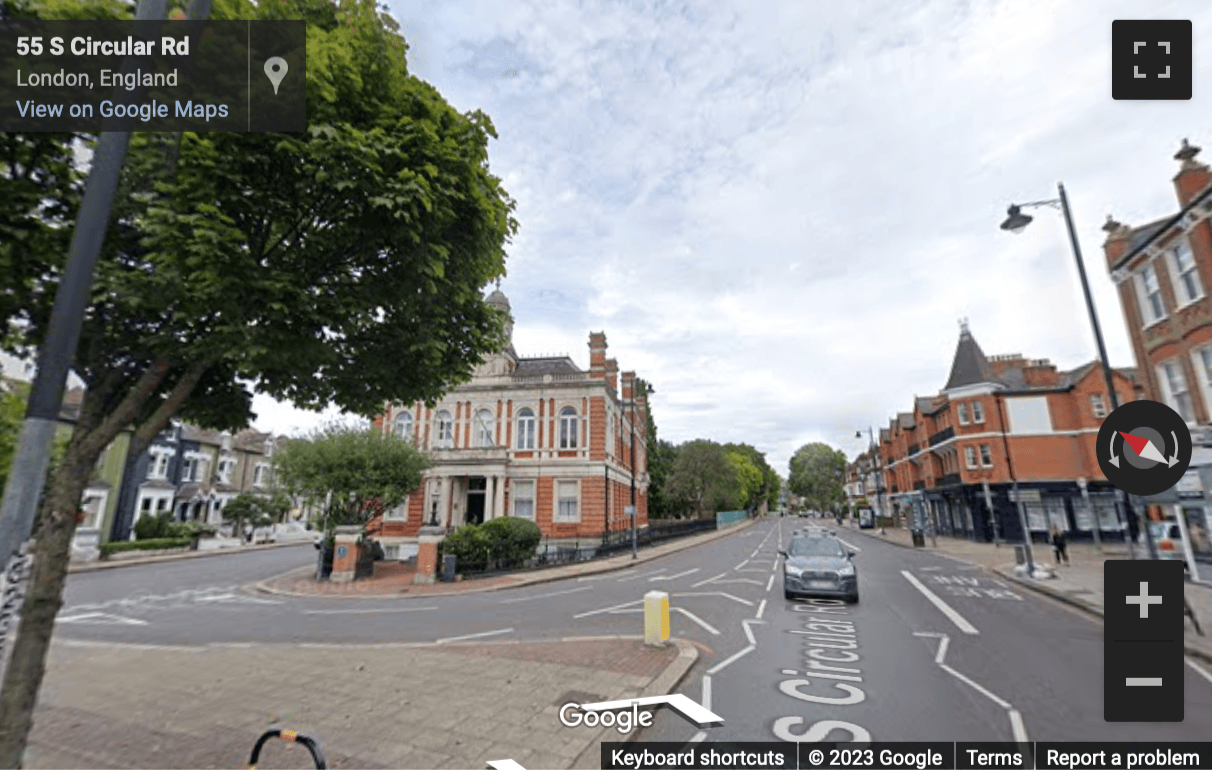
x,y
1041,373
612,373
628,386
1193,177
1116,245
597,355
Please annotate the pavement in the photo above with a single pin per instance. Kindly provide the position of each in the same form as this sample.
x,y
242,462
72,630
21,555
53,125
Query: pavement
x,y
450,704
1078,583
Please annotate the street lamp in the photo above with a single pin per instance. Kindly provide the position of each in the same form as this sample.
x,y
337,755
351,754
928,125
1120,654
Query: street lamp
x,y
1015,222
635,518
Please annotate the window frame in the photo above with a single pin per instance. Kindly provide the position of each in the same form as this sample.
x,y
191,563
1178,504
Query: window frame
x,y
970,457
961,413
1178,276
986,456
1149,314
527,425
443,434
570,428
978,413
516,496
1171,399
399,512
483,434
1098,404
402,419
558,499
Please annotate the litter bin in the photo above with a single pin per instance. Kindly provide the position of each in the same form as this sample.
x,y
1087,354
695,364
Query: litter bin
x,y
448,568
919,539
1020,554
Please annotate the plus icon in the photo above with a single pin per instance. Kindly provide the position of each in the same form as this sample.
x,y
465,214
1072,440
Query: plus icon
x,y
1144,600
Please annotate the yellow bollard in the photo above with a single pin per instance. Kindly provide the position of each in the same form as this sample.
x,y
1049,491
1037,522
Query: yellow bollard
x,y
656,618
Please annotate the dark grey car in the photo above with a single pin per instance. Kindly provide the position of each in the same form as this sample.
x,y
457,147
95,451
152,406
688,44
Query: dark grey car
x,y
819,566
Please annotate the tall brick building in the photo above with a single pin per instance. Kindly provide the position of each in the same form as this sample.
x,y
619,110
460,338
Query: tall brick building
x,y
1001,419
537,438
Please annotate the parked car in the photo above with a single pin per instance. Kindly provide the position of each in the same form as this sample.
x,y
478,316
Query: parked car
x,y
289,532
819,566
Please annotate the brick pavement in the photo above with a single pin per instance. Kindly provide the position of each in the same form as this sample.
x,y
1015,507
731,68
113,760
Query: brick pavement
x,y
1078,583
449,706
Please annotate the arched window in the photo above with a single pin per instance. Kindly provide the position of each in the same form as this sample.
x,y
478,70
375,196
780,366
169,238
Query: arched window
x,y
444,433
404,425
526,427
568,428
482,430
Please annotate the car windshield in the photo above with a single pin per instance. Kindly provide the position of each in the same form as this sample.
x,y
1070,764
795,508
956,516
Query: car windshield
x,y
817,546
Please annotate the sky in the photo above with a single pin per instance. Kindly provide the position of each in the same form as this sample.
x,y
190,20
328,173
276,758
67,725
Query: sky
x,y
779,211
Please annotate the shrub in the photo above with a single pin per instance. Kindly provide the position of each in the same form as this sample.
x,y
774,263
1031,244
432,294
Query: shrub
x,y
470,544
154,544
513,539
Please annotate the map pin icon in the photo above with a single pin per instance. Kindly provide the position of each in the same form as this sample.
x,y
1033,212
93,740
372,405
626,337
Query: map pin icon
x,y
275,70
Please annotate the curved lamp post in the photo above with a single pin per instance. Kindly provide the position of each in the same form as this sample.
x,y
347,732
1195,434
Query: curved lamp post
x,y
1015,222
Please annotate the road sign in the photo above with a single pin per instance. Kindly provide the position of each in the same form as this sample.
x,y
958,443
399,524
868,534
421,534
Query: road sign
x,y
629,511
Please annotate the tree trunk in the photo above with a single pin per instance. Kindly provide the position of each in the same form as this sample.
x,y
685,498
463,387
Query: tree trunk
x,y
44,598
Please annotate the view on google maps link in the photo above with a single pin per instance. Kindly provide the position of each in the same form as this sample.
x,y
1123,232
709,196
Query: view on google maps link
x,y
611,384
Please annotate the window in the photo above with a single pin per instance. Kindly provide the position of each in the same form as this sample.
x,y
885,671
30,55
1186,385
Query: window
x,y
445,430
978,412
1028,415
259,475
398,513
1152,307
523,499
158,467
962,409
970,456
526,425
404,426
1187,287
568,428
91,506
566,501
1097,406
225,469
188,469
1174,384
986,456
482,431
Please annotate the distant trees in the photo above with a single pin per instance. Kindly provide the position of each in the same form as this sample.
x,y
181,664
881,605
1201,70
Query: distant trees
x,y
702,477
817,474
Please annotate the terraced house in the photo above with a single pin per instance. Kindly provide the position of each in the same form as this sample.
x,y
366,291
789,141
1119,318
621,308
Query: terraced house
x,y
951,463
537,438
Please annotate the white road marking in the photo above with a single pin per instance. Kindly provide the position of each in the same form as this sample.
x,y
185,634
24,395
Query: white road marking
x,y
774,567
731,659
738,580
943,607
749,631
594,577
102,618
706,692
473,636
769,582
1200,670
643,574
698,620
674,577
544,596
755,552
607,609
741,565
699,737
929,569
717,593
851,546
761,608
708,580
360,612
1016,718
504,764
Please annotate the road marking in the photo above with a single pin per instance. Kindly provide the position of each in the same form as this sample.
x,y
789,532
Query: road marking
x,y
929,569
774,567
708,580
732,659
851,546
761,608
707,692
102,618
357,612
644,574
1200,670
473,636
674,577
741,565
769,582
717,593
738,580
504,764
943,607
749,631
699,737
1016,718
607,609
755,552
696,619
544,596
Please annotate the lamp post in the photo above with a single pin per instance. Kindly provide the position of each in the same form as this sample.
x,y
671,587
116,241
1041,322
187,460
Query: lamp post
x,y
1015,222
636,384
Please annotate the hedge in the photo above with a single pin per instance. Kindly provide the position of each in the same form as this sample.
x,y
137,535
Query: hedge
x,y
144,545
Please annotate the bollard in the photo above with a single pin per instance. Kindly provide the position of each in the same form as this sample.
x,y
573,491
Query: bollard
x,y
656,618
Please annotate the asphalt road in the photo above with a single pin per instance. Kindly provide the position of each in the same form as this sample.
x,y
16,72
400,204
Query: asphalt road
x,y
935,650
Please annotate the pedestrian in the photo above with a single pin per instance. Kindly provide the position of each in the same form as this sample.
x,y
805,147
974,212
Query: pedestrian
x,y
1058,545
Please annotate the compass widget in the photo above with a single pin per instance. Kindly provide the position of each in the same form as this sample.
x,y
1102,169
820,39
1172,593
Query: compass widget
x,y
1144,447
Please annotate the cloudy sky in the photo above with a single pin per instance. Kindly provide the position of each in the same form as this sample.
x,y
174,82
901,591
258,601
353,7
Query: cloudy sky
x,y
778,211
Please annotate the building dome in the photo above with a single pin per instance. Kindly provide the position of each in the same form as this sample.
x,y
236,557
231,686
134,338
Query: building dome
x,y
498,299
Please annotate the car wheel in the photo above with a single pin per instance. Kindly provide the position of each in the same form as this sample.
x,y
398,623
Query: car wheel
x,y
788,595
852,598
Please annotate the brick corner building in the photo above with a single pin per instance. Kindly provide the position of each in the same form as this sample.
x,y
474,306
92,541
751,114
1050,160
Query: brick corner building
x,y
537,438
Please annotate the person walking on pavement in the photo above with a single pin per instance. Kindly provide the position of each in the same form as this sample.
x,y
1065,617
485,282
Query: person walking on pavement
x,y
1058,544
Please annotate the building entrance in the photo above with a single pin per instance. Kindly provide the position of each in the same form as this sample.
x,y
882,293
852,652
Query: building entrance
x,y
477,489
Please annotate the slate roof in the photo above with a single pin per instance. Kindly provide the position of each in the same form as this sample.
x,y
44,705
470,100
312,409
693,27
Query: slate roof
x,y
905,419
530,367
969,367
1144,233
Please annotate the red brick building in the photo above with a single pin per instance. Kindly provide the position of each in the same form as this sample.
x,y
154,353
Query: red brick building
x,y
537,438
1001,419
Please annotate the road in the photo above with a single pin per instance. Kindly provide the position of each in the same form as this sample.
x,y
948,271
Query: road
x,y
935,650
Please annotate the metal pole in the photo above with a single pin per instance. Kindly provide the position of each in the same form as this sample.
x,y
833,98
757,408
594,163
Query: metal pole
x,y
1098,338
635,516
1098,542
992,514
28,476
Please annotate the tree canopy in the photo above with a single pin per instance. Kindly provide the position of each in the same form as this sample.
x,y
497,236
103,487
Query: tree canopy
x,y
817,475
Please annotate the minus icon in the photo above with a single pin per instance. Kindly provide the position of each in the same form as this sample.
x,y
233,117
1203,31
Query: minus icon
x,y
1144,681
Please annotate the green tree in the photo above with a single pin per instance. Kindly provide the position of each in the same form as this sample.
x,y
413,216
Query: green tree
x,y
354,472
703,479
661,456
12,413
767,491
253,511
816,476
342,265
748,481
